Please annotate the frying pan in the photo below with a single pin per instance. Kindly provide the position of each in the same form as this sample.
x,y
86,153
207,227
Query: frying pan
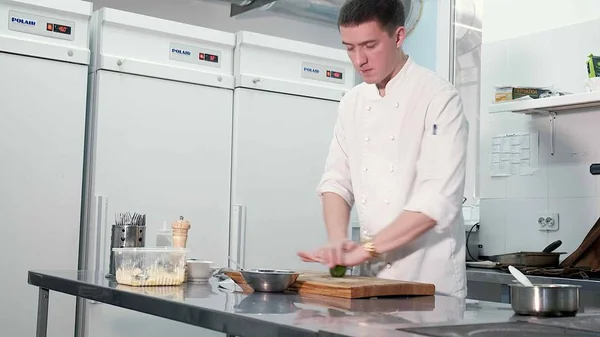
x,y
546,258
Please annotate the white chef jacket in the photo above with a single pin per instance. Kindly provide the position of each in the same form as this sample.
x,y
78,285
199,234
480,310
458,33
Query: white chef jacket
x,y
405,151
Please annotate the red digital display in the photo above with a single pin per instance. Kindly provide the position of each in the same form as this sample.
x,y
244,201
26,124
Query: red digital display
x,y
334,74
208,57
53,27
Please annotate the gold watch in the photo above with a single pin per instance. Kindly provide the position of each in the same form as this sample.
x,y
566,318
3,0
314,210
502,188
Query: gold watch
x,y
370,248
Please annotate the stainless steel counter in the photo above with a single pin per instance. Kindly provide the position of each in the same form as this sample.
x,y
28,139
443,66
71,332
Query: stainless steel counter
x,y
498,276
289,314
492,285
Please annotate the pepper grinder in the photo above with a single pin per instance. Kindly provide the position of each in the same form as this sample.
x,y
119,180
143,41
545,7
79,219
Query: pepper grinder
x,y
180,232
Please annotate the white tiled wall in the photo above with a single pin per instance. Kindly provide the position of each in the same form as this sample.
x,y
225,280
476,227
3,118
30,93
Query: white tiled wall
x,y
509,206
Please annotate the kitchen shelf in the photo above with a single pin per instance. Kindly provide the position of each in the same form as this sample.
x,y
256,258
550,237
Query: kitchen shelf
x,y
550,107
550,104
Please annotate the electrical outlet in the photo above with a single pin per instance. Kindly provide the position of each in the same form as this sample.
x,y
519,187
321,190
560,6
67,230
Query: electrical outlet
x,y
547,221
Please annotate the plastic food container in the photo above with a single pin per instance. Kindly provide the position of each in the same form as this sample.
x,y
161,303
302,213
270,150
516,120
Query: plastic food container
x,y
145,266
168,292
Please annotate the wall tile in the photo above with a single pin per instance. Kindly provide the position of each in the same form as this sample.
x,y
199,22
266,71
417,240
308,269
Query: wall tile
x,y
571,181
576,218
576,138
493,62
521,224
492,231
562,183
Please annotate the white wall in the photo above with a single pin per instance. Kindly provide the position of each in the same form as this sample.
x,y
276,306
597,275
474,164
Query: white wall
x,y
215,14
546,43
508,19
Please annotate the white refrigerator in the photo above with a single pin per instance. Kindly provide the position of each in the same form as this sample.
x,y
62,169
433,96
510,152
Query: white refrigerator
x,y
44,58
159,143
285,107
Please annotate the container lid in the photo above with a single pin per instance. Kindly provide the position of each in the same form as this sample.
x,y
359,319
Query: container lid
x,y
165,229
151,250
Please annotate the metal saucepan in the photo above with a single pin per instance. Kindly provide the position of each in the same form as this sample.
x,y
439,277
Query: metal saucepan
x,y
545,299
546,258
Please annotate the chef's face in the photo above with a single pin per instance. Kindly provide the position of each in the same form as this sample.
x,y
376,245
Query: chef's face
x,y
374,51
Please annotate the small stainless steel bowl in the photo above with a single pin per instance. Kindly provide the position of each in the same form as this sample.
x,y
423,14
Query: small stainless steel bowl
x,y
545,299
269,280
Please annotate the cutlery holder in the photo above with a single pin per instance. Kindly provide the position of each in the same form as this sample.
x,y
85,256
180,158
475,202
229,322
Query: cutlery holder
x,y
125,236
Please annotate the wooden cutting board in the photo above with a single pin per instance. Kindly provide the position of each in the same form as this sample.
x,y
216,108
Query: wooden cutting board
x,y
381,304
350,286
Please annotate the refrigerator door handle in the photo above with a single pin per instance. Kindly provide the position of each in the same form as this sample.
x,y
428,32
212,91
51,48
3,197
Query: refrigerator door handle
x,y
99,238
238,244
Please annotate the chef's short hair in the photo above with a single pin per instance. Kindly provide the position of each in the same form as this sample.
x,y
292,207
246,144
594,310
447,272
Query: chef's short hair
x,y
388,13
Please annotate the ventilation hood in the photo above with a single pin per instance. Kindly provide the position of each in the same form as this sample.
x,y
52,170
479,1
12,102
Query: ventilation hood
x,y
322,11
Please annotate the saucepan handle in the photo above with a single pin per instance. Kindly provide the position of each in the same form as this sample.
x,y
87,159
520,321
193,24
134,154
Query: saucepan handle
x,y
551,247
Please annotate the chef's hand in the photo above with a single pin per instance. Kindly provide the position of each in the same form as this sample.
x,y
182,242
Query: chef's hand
x,y
354,257
332,254
310,257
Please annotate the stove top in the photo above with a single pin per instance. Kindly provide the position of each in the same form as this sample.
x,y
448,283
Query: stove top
x,y
590,323
513,329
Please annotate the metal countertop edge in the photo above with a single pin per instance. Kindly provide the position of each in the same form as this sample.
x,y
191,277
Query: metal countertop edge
x,y
228,323
500,277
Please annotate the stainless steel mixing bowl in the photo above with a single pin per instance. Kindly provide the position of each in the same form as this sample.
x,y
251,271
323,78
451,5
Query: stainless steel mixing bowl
x,y
269,280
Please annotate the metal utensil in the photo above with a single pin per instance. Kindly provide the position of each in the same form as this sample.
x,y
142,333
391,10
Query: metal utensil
x,y
552,247
520,276
269,280
130,219
545,300
124,236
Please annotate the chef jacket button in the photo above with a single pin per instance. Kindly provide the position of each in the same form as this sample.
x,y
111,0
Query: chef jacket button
x,y
388,265
397,104
387,202
368,108
365,169
392,168
367,139
392,137
364,201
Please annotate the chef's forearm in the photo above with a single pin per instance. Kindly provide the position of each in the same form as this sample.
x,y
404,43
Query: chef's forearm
x,y
336,212
405,228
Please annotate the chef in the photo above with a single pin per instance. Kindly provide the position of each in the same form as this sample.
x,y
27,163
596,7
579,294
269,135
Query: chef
x,y
398,155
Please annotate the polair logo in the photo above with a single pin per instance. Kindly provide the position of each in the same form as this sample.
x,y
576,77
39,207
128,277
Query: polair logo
x,y
181,52
23,21
311,70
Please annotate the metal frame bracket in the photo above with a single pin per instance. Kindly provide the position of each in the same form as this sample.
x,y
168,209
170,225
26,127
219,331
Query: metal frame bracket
x,y
552,116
